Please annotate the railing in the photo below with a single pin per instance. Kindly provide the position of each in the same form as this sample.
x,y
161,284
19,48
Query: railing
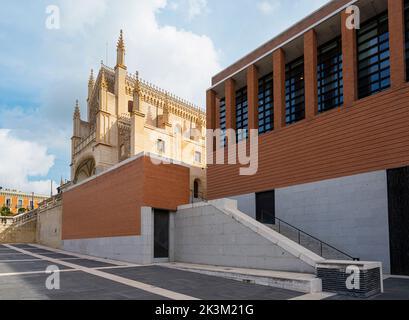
x,y
198,197
19,219
299,235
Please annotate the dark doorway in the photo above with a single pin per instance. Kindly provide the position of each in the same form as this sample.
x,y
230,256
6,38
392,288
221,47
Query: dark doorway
x,y
161,234
265,207
398,194
196,189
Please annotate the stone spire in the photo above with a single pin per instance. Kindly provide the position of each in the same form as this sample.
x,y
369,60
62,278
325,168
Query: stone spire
x,y
91,84
91,80
120,49
77,113
104,82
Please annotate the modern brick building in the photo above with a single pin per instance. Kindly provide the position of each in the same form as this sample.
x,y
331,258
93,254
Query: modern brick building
x,y
331,105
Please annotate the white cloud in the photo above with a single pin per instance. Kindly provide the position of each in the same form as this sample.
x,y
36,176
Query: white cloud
x,y
76,16
177,60
268,6
56,69
20,160
196,8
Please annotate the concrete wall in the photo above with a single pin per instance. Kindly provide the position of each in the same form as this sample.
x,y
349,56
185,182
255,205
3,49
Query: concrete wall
x,y
19,234
210,235
49,227
350,213
246,203
134,249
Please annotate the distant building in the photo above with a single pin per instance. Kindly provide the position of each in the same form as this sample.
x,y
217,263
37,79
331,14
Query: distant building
x,y
16,200
127,117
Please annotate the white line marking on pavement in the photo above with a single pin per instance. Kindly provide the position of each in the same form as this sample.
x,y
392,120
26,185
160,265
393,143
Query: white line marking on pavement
x,y
32,272
117,267
315,296
27,260
132,283
118,263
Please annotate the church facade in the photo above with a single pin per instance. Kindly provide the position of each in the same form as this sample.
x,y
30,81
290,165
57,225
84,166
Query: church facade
x,y
126,117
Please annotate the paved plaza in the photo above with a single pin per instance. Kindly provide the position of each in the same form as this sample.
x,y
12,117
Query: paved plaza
x,y
23,276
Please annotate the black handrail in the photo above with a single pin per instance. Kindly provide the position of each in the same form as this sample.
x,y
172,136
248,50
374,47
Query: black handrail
x,y
200,196
299,232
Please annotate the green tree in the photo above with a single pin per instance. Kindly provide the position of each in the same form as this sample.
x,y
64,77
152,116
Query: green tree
x,y
22,210
5,211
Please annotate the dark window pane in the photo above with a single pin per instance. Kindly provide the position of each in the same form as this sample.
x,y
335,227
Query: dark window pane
x,y
266,104
241,114
373,56
294,90
407,37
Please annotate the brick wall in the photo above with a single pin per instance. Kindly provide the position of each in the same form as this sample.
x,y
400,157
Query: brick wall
x,y
109,205
364,135
372,134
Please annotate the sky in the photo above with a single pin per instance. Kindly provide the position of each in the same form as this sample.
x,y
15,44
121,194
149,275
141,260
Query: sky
x,y
176,44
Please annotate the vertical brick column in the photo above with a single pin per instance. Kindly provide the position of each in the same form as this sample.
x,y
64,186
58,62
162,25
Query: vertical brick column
x,y
349,58
230,88
279,88
397,42
211,110
310,74
252,93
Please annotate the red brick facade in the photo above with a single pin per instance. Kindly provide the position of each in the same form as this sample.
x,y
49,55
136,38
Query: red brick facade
x,y
109,205
364,135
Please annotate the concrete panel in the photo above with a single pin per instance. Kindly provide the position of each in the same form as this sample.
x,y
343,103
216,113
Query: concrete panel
x,y
49,227
350,213
246,203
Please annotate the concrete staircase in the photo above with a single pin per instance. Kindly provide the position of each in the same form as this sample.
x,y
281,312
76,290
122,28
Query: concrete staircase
x,y
19,229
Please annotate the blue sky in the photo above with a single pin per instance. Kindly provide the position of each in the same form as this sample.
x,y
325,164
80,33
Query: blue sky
x,y
177,44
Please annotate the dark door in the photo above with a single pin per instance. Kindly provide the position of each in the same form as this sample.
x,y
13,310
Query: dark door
x,y
265,207
161,234
398,194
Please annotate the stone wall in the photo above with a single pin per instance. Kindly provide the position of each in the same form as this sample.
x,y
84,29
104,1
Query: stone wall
x,y
49,226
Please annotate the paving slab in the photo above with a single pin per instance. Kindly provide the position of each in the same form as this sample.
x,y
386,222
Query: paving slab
x,y
26,266
23,246
202,286
55,255
91,263
17,256
76,285
6,250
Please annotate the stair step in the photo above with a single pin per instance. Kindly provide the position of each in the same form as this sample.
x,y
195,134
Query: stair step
x,y
300,282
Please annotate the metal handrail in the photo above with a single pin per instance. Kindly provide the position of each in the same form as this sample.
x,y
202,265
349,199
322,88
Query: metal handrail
x,y
301,232
200,198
